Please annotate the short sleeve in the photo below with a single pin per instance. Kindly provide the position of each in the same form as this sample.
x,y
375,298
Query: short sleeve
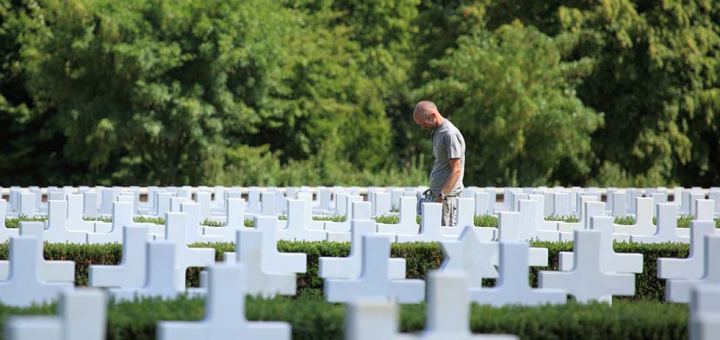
x,y
454,145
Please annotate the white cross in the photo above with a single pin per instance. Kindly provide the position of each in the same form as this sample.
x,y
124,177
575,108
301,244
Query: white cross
x,y
679,290
309,222
266,277
234,220
5,232
81,316
509,230
704,312
225,312
587,282
121,216
374,280
49,271
130,273
57,231
692,266
468,253
643,218
162,277
666,226
512,286
185,257
448,309
296,229
610,261
407,224
193,229
448,314
340,231
24,287
350,267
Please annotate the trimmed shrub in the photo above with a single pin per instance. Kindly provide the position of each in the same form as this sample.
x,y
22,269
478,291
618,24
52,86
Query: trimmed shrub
x,y
486,221
563,218
421,258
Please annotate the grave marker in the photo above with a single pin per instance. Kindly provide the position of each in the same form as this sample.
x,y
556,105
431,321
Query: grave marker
x,y
130,272
666,226
48,271
225,313
81,316
350,267
24,286
374,280
679,290
512,287
587,281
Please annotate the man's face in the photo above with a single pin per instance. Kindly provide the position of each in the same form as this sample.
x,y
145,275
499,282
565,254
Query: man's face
x,y
426,121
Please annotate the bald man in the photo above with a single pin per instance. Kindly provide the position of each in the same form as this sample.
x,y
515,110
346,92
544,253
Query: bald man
x,y
449,166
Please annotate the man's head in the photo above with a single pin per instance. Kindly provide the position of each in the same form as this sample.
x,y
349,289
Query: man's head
x,y
427,115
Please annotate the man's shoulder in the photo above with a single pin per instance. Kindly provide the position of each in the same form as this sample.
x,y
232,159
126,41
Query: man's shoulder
x,y
451,129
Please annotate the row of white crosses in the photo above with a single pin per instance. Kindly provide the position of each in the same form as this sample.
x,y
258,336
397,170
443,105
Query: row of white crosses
x,y
696,279
267,270
558,201
596,272
82,314
373,290
591,272
67,224
255,268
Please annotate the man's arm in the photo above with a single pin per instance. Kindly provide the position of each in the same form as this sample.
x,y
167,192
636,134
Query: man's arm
x,y
455,171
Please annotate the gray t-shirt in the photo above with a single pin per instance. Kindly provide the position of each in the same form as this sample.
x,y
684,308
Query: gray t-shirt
x,y
448,143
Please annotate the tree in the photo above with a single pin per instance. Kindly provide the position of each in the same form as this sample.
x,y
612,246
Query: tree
x,y
514,101
146,91
657,67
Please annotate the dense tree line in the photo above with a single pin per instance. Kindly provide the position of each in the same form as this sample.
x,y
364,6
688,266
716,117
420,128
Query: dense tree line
x,y
290,92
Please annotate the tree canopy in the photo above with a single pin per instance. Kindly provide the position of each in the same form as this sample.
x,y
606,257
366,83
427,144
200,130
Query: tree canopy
x,y
320,92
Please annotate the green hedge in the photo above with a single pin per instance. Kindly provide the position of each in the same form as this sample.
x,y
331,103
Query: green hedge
x,y
313,318
421,258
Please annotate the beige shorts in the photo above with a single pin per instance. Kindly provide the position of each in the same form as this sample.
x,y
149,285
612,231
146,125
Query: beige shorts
x,y
449,209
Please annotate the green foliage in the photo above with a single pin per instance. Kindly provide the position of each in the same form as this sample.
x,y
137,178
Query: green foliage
x,y
138,219
627,220
138,85
566,218
319,92
212,223
144,219
388,218
511,90
486,221
684,221
14,222
656,66
107,219
331,218
421,258
243,93
480,220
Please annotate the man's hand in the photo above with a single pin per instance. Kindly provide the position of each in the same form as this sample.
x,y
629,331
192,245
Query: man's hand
x,y
455,171
439,200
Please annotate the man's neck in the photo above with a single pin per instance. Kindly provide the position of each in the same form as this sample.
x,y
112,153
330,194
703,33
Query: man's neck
x,y
439,121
